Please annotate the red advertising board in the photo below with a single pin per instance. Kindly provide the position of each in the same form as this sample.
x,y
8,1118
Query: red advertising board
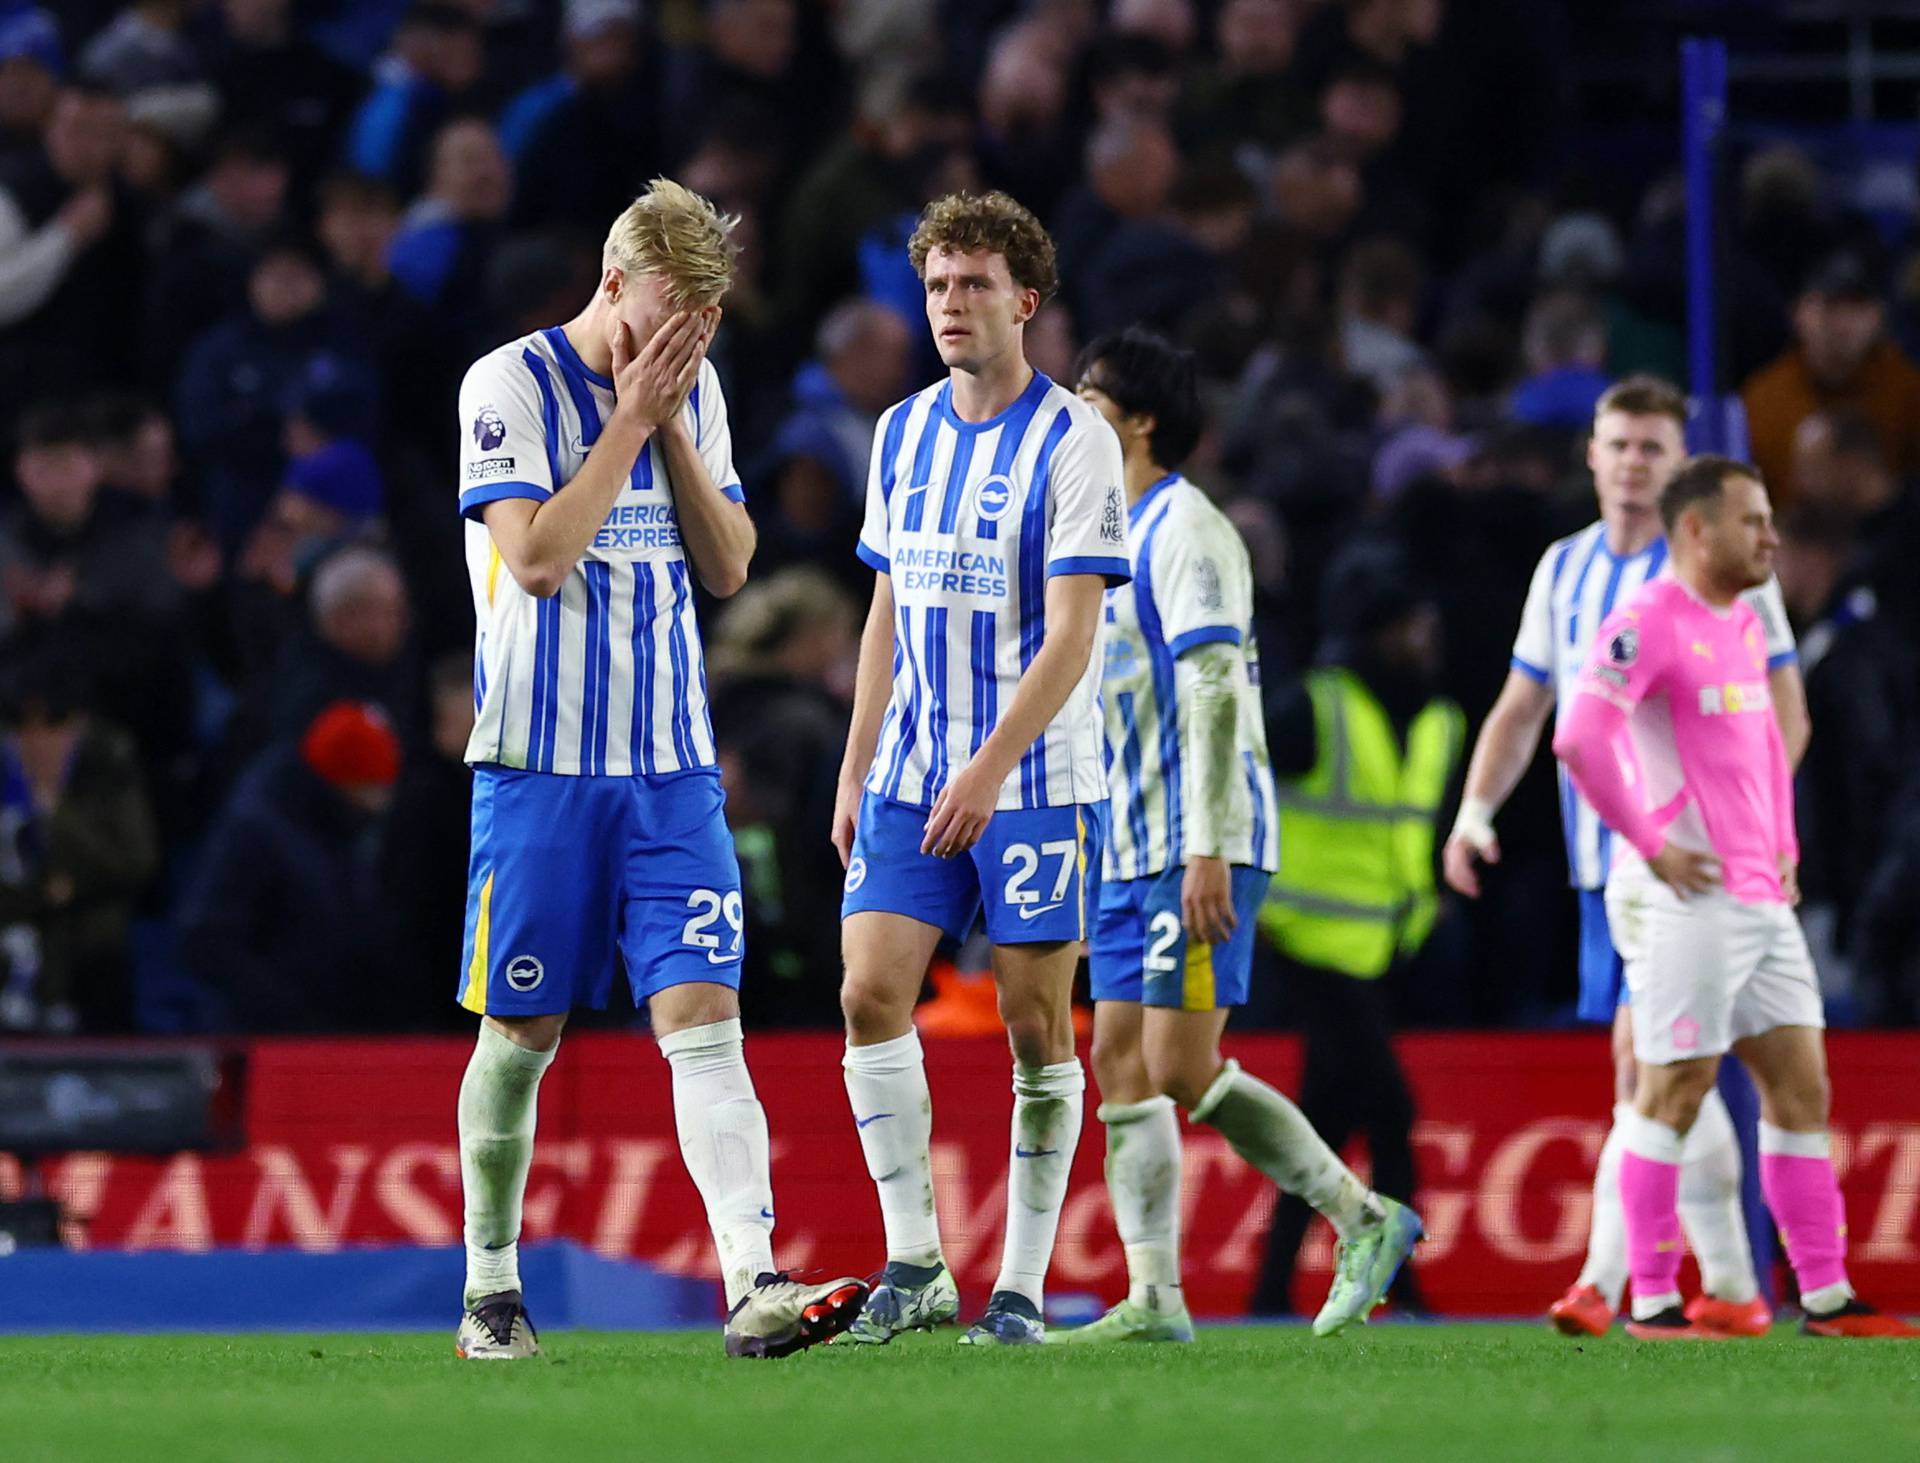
x,y
352,1142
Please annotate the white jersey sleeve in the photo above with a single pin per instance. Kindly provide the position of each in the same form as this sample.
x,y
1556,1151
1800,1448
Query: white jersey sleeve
x,y
1087,506
504,448
875,548
1533,643
1202,584
712,435
1768,604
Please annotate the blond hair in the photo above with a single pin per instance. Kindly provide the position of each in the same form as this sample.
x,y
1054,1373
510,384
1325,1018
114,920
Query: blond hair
x,y
673,232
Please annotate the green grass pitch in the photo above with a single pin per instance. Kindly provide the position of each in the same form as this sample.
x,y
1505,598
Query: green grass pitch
x,y
1388,1392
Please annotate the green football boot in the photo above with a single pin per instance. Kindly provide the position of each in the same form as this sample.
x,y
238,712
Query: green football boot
x,y
1365,1267
1128,1322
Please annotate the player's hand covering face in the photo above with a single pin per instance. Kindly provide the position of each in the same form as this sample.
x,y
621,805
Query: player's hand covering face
x,y
653,384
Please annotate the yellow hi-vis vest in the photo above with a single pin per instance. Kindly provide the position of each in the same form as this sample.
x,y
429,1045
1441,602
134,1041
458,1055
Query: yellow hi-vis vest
x,y
1355,887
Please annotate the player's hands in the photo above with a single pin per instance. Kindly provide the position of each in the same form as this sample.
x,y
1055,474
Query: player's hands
x,y
846,815
651,386
1471,843
86,216
1460,861
1684,871
961,811
1790,881
1206,901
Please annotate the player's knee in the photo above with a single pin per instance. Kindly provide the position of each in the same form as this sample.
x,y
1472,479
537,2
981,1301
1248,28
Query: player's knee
x,y
1037,1036
1182,1076
534,1033
1801,1104
872,1011
1117,1066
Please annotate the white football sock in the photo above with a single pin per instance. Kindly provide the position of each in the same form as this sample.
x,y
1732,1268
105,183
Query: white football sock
x,y
723,1141
1273,1135
1710,1210
1047,1108
1606,1266
1143,1178
496,1121
887,1087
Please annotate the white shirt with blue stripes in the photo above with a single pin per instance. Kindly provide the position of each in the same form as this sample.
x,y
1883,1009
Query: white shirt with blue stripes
x,y
970,520
606,678
1578,583
1192,586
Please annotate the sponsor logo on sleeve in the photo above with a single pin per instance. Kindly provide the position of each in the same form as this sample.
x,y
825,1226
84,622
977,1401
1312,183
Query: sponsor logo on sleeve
x,y
489,468
1206,585
1113,519
489,429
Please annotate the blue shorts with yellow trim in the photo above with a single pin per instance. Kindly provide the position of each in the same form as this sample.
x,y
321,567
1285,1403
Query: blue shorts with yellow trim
x,y
568,871
1603,975
1030,871
1140,950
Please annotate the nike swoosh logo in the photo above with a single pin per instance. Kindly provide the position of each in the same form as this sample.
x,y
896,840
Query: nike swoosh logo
x,y
862,1122
715,958
1019,1152
1026,913
766,1214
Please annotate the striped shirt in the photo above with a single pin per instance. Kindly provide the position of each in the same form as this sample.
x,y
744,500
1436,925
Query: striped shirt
x,y
970,520
1192,586
1578,583
605,678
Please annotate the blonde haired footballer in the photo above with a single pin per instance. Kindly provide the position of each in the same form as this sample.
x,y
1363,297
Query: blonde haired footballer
x,y
597,482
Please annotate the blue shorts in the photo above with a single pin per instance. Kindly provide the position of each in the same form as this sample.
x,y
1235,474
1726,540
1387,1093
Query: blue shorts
x,y
1140,951
1603,975
565,871
1031,869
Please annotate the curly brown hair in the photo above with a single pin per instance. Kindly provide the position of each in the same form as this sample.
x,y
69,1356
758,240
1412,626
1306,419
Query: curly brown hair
x,y
964,222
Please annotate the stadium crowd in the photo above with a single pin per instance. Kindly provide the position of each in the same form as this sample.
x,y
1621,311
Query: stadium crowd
x,y
247,248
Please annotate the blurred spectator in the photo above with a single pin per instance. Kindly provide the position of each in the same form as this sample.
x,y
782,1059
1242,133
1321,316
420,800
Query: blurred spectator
x,y
1130,167
423,856
146,45
762,54
883,168
441,251
1244,102
1315,190
276,919
1841,357
1027,144
862,352
71,268
353,647
1566,353
1381,284
1170,24
1161,270
271,78
239,376
215,231
608,89
31,63
434,70
782,665
1131,77
77,847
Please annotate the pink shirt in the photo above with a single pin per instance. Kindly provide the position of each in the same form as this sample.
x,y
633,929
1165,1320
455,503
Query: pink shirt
x,y
1702,762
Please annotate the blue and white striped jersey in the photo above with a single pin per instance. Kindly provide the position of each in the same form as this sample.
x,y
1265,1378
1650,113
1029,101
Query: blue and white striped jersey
x,y
1578,584
1192,586
970,519
605,678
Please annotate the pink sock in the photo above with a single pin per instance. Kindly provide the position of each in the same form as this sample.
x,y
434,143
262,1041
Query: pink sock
x,y
1649,1199
1805,1200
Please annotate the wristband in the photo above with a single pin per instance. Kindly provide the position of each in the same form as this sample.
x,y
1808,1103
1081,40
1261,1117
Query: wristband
x,y
1475,823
